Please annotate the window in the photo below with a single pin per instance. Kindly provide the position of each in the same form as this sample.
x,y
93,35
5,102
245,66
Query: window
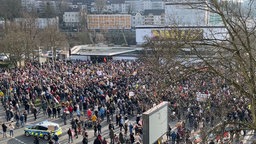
x,y
34,127
42,128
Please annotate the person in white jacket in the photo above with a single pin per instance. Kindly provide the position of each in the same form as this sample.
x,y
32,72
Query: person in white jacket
x,y
11,127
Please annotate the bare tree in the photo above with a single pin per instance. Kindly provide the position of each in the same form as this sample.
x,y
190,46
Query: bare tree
x,y
31,32
49,11
13,44
10,9
51,39
84,35
234,51
228,54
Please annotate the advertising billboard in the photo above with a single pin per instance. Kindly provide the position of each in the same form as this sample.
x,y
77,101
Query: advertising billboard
x,y
155,123
198,33
177,34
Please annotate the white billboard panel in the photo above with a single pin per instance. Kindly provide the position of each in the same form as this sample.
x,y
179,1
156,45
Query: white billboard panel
x,y
141,35
155,123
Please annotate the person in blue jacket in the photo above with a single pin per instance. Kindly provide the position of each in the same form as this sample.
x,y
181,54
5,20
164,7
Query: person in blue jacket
x,y
56,139
174,136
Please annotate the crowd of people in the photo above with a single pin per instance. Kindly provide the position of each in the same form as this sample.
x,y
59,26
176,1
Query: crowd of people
x,y
67,89
89,93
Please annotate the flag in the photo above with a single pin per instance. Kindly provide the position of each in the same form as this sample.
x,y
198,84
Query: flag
x,y
1,94
56,100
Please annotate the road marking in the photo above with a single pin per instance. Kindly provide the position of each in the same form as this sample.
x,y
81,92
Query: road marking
x,y
11,138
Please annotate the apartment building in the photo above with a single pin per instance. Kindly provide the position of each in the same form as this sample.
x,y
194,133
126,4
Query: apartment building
x,y
154,17
40,23
109,21
28,4
138,19
72,17
141,5
180,13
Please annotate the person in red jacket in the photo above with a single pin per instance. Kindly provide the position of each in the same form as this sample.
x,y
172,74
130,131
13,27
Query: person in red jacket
x,y
70,109
89,113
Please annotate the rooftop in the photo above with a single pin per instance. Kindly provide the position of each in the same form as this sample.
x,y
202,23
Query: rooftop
x,y
47,123
154,11
89,50
73,10
116,1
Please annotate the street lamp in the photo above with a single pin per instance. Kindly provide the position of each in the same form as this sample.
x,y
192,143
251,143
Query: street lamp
x,y
52,57
39,55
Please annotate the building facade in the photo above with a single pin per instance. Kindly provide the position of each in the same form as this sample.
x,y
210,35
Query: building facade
x,y
180,13
28,4
154,17
45,22
136,6
109,21
40,23
137,19
72,17
153,4
119,8
79,4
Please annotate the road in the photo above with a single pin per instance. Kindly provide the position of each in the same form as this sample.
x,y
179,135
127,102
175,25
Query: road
x,y
20,138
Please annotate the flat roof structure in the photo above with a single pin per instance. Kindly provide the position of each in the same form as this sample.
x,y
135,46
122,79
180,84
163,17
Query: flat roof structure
x,y
91,50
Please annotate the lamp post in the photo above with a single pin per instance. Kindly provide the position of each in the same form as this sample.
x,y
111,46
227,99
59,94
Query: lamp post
x,y
39,55
52,57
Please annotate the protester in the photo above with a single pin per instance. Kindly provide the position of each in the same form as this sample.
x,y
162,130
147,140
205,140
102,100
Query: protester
x,y
121,138
56,139
117,90
70,135
22,117
95,129
50,141
4,127
85,138
25,116
98,140
35,113
104,141
99,128
111,136
11,127
132,138
36,140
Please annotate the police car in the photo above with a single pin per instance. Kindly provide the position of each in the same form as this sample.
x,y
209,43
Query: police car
x,y
43,129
